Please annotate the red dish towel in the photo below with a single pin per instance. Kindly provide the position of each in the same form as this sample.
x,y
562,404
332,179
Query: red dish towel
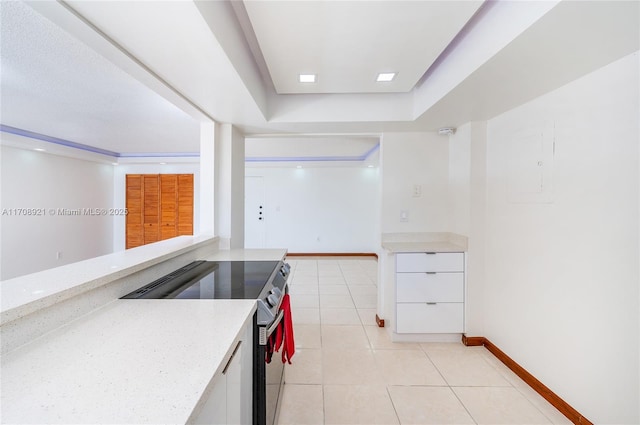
x,y
283,335
286,327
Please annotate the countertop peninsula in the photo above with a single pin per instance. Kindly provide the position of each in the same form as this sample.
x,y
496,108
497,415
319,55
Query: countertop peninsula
x,y
129,361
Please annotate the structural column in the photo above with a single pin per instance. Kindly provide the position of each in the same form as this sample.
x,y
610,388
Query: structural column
x,y
477,229
229,186
207,177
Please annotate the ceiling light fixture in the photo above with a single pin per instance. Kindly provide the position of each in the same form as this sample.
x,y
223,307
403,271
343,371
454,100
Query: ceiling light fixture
x,y
39,149
298,166
386,77
307,78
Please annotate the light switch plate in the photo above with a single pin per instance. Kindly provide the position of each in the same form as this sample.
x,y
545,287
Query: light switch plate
x,y
404,215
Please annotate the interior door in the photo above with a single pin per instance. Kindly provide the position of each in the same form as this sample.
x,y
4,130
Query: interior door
x,y
185,204
151,205
160,206
168,206
255,214
134,234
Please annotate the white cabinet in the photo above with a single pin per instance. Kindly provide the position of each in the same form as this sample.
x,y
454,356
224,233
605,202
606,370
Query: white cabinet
x,y
430,287
230,399
430,262
430,292
214,410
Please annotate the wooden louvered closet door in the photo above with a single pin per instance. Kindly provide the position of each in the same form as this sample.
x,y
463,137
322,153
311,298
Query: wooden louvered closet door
x,y
168,206
151,212
134,231
160,207
185,204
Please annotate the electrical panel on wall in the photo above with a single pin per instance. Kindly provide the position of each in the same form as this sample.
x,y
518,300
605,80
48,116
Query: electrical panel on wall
x,y
530,165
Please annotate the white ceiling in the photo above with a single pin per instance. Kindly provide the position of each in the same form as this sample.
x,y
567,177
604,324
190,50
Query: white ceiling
x,y
138,77
348,43
54,85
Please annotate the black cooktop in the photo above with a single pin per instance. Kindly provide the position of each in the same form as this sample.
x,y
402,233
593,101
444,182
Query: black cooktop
x,y
210,280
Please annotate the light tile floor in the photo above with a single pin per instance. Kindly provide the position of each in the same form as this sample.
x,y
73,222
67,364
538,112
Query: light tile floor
x,y
346,370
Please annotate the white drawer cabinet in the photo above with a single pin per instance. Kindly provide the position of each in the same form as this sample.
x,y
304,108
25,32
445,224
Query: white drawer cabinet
x,y
430,292
430,318
430,262
430,287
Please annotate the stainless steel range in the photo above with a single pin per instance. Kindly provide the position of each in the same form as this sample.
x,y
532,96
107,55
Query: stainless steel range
x,y
264,281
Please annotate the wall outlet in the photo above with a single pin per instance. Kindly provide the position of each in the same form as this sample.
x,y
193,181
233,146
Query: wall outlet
x,y
417,190
404,215
58,255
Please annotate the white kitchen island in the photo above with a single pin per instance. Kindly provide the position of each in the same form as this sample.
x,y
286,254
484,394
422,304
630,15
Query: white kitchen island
x,y
127,361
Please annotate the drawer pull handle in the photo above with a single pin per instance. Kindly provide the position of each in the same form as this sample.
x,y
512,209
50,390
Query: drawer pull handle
x,y
235,350
430,253
430,272
432,303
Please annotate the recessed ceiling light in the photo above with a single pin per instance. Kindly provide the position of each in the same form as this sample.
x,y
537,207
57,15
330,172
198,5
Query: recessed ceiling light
x,y
369,166
39,149
298,166
307,78
163,163
385,77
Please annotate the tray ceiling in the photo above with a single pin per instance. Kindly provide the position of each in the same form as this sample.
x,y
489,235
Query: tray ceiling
x,y
346,44
138,77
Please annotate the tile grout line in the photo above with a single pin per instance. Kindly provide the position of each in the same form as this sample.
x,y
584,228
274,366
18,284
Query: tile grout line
x,y
371,348
434,365
463,405
504,376
395,410
322,375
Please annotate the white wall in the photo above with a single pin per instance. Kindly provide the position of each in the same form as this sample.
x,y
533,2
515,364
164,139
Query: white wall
x,y
119,192
467,212
229,186
207,180
321,209
561,289
409,159
459,180
33,179
237,189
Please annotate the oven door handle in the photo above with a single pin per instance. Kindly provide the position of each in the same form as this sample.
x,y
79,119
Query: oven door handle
x,y
275,323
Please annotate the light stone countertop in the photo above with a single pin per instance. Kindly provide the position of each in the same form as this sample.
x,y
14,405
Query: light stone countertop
x,y
248,255
397,247
23,295
129,362
424,242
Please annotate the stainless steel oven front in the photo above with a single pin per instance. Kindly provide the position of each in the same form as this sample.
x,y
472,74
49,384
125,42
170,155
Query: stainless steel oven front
x,y
268,375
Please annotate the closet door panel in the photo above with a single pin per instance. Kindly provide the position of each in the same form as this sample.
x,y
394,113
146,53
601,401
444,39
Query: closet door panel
x,y
134,234
168,206
185,204
151,213
160,206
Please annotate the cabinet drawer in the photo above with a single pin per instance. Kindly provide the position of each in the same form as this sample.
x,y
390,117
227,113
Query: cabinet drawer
x,y
430,318
430,287
430,262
